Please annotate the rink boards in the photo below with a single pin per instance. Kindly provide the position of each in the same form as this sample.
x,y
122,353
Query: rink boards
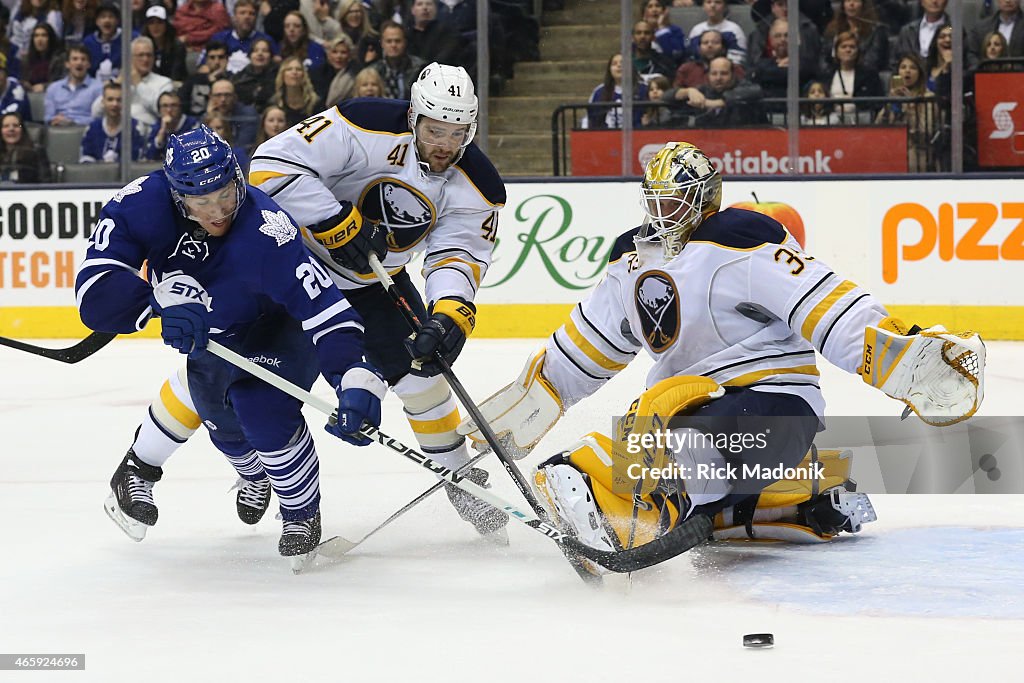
x,y
931,250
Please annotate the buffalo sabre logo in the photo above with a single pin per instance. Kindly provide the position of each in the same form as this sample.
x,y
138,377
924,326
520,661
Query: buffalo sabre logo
x,y
657,303
404,211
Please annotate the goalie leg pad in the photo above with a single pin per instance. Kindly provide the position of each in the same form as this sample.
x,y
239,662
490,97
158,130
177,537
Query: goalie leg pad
x,y
591,457
521,413
804,510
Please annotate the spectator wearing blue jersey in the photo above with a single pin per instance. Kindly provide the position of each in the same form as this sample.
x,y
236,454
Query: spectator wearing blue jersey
x,y
173,121
13,98
734,37
240,38
610,90
669,39
102,140
296,42
69,101
226,263
104,44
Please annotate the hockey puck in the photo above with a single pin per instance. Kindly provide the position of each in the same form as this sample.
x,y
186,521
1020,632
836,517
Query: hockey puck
x,y
758,640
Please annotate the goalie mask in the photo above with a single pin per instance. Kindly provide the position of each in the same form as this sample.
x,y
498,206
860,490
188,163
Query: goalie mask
x,y
445,94
679,190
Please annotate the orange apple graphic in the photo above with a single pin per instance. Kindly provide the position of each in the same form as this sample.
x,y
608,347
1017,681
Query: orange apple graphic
x,y
783,213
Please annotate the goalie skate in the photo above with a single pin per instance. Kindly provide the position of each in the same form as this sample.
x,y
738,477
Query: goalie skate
x,y
573,509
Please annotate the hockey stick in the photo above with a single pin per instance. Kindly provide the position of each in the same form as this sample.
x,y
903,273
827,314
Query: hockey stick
x,y
341,546
72,354
689,533
460,391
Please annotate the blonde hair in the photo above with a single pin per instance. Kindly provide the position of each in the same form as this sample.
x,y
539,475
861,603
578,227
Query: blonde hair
x,y
309,96
369,74
366,29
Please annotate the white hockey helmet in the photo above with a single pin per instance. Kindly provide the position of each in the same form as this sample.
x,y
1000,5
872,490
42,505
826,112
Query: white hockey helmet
x,y
680,189
445,93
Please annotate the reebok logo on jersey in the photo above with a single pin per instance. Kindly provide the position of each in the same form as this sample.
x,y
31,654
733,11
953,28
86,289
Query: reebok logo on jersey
x,y
266,360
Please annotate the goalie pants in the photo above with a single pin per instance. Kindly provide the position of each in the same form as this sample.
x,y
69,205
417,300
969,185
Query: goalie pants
x,y
756,432
258,427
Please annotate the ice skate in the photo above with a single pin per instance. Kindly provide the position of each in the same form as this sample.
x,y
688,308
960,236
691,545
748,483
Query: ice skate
x,y
299,540
130,504
253,499
573,509
488,521
837,509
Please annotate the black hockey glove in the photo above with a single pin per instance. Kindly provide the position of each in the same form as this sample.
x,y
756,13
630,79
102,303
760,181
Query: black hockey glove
x,y
350,240
451,321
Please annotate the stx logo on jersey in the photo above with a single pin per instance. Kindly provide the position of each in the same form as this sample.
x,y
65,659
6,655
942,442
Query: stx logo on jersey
x,y
657,304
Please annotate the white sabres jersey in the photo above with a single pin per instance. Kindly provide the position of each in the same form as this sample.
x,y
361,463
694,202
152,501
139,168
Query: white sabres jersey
x,y
741,304
362,151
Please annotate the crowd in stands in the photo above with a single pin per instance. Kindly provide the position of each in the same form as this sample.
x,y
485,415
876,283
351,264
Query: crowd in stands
x,y
249,69
716,74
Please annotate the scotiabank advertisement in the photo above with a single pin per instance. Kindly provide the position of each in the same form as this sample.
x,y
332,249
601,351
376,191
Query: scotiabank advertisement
x,y
999,99
931,250
744,151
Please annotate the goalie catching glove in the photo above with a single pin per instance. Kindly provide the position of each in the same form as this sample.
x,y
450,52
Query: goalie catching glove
x,y
938,374
349,240
445,332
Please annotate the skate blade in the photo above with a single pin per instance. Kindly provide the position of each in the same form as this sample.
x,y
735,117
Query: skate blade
x,y
301,563
132,528
591,572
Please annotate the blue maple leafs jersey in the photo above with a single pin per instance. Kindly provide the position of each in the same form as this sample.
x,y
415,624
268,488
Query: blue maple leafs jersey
x,y
259,267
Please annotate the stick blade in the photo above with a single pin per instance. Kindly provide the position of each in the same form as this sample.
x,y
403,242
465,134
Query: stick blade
x,y
335,548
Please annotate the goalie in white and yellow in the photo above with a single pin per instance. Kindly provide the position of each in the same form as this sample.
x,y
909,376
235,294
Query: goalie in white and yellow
x,y
732,311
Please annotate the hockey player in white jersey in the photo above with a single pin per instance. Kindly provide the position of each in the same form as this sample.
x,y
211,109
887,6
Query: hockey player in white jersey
x,y
732,312
391,178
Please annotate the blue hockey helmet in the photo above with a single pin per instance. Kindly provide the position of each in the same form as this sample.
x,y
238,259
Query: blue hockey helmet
x,y
199,162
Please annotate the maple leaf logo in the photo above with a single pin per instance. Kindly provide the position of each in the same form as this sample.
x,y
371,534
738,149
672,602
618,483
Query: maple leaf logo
x,y
278,226
134,187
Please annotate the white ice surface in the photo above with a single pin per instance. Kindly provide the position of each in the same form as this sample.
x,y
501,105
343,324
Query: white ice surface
x,y
934,591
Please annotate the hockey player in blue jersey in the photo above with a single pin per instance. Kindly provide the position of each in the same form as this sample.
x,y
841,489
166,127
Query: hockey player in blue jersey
x,y
393,178
225,262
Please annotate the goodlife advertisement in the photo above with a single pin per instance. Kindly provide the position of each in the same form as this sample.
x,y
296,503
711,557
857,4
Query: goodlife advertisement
x,y
739,152
932,250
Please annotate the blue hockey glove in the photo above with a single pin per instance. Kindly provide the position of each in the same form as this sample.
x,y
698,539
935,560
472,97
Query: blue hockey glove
x,y
184,308
451,321
359,397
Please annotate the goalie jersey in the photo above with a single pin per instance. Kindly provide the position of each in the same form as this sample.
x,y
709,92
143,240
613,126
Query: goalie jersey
x,y
741,304
258,268
362,151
